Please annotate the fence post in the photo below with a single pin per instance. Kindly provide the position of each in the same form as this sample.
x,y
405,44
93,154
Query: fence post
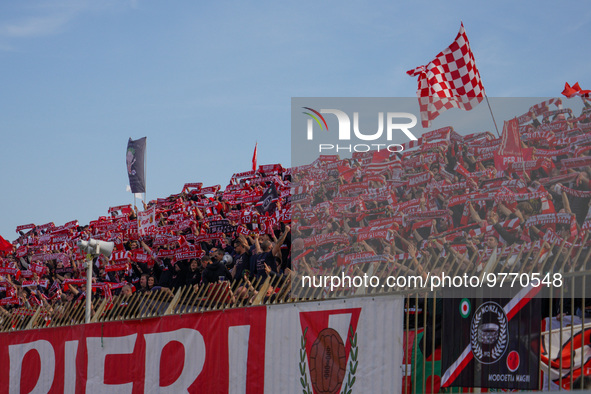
x,y
174,302
33,318
99,311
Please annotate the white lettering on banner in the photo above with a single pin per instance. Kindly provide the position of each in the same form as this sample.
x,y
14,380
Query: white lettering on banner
x,y
70,351
261,350
147,221
99,349
507,377
511,159
194,346
238,354
46,355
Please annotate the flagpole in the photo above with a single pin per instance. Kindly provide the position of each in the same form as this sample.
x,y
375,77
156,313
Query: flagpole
x,y
493,116
146,171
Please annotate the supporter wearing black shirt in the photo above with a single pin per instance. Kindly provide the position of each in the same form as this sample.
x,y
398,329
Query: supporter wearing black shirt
x,y
177,276
263,256
193,274
214,271
241,260
267,254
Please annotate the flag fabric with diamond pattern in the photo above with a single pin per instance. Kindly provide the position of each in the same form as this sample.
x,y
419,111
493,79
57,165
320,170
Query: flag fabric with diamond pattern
x,y
451,80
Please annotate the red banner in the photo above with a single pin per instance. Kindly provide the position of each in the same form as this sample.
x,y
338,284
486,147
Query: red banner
x,y
176,353
260,349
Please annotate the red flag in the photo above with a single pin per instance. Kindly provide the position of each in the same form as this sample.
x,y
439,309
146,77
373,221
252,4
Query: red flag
x,y
575,90
511,141
510,150
5,246
450,80
254,157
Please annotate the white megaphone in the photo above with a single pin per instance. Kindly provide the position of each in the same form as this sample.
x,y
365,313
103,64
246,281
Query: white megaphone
x,y
93,247
96,247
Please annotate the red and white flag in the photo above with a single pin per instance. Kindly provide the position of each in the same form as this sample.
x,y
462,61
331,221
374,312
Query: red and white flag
x,y
565,350
575,90
450,80
254,157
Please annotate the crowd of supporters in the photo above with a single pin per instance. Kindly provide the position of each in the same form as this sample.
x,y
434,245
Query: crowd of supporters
x,y
200,236
488,203
452,203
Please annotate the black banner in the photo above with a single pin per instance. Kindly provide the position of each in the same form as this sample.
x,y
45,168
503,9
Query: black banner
x,y
268,201
220,226
492,342
134,159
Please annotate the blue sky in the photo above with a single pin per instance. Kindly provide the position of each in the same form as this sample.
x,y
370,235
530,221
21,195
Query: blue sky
x,y
205,80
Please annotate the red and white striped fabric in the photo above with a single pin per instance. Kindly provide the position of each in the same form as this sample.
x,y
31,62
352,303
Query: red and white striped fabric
x,y
542,107
451,80
509,225
120,256
564,342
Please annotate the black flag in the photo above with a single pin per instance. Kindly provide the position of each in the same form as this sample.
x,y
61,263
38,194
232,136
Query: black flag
x,y
135,164
492,343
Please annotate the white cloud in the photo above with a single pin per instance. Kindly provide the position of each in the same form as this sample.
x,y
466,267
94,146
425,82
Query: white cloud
x,y
48,18
36,26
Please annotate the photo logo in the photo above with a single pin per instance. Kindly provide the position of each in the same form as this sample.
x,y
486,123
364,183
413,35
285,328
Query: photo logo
x,y
310,129
390,124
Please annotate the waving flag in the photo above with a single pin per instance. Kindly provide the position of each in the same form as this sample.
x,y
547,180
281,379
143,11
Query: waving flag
x,y
254,158
450,80
134,159
5,246
575,90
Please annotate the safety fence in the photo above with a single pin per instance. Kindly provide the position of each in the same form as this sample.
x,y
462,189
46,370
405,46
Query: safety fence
x,y
159,302
559,330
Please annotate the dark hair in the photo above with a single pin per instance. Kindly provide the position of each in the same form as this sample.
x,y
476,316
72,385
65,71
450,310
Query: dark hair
x,y
583,380
265,245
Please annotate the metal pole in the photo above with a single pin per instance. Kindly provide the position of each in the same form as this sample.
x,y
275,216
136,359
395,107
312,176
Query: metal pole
x,y
146,172
493,117
88,288
433,342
